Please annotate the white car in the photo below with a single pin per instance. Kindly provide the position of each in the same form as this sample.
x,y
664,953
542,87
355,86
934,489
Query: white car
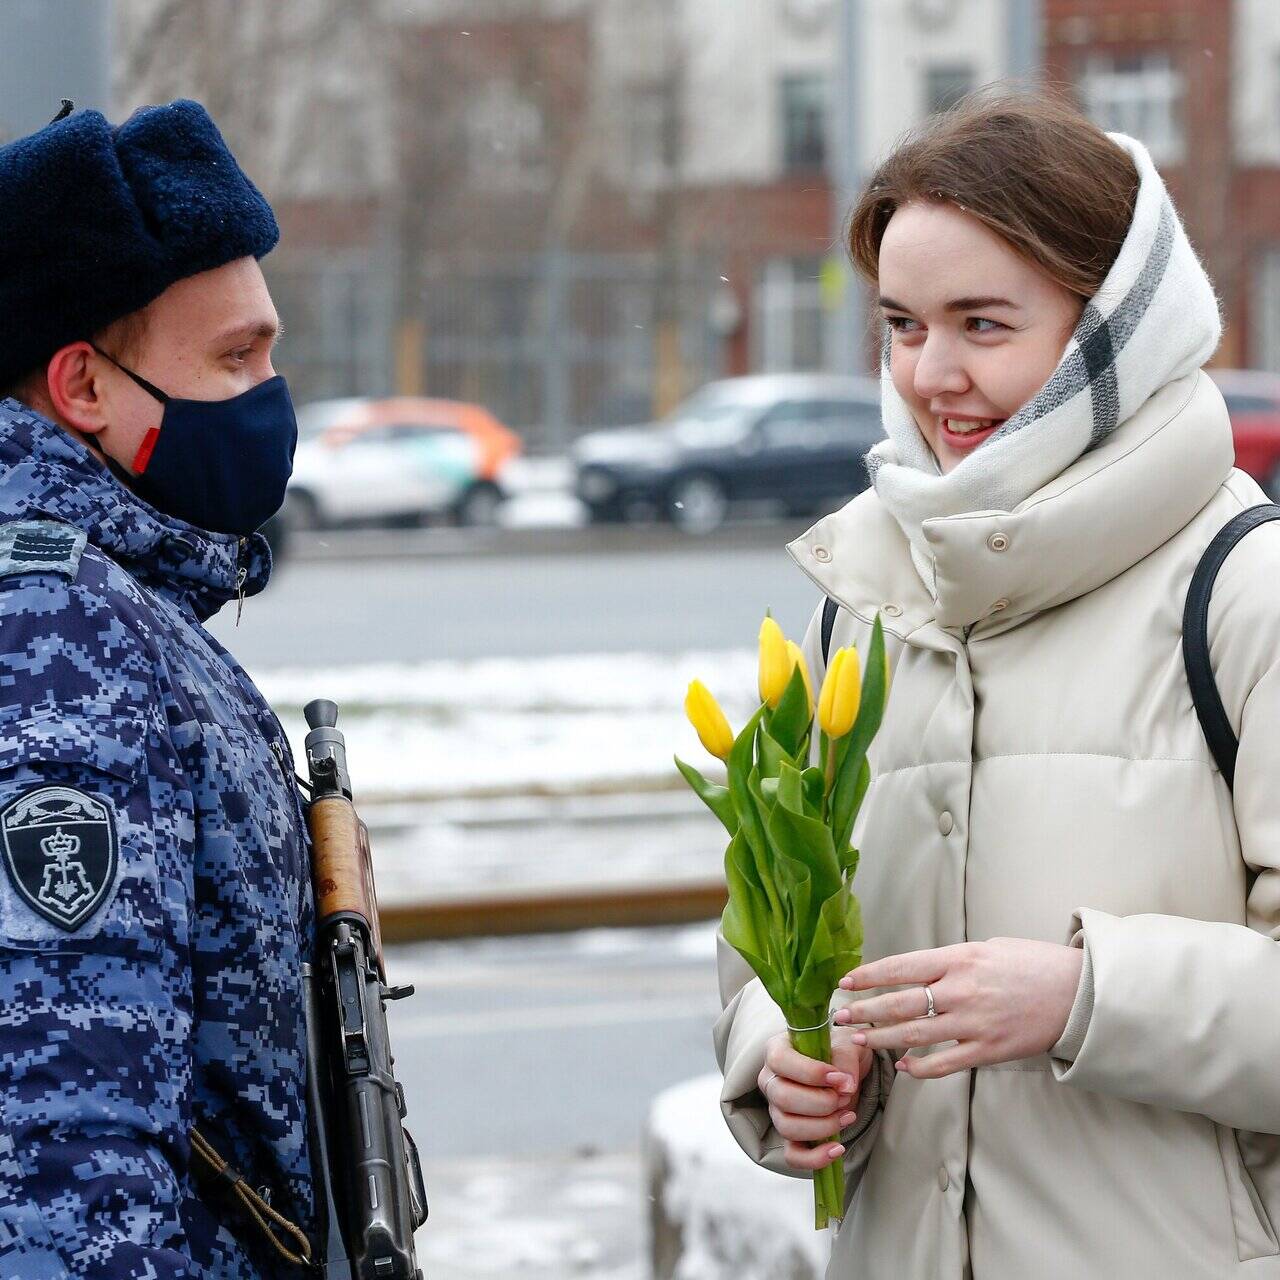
x,y
356,464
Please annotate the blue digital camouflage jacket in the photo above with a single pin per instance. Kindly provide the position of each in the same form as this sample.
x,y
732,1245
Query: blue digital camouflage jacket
x,y
155,901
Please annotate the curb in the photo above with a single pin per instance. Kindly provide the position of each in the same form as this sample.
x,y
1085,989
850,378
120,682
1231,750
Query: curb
x,y
562,911
385,544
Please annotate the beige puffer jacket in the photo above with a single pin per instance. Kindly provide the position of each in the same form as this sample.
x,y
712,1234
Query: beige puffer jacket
x,y
1041,774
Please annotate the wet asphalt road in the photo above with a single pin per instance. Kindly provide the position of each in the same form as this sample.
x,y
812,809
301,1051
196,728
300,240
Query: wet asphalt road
x,y
654,594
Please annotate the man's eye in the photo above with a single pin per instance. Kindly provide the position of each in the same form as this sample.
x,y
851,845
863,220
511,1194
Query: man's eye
x,y
242,355
899,323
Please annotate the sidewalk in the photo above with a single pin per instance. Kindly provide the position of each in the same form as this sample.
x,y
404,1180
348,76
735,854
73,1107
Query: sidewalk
x,y
543,1219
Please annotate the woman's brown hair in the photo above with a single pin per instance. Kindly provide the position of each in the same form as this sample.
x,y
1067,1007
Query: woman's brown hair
x,y
1031,167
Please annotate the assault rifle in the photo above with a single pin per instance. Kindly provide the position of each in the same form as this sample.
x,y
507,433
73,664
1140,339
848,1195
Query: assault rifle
x,y
369,1188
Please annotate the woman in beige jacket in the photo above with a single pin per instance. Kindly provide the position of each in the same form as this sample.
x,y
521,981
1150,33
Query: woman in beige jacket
x,y
1050,860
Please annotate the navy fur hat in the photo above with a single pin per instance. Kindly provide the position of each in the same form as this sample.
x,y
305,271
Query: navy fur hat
x,y
98,220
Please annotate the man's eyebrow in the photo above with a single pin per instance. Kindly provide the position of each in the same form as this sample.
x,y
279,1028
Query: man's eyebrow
x,y
260,329
957,304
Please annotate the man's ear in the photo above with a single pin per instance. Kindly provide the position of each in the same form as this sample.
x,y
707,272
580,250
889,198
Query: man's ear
x,y
76,388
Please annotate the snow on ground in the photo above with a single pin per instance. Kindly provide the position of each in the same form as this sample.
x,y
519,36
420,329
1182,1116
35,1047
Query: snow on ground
x,y
720,1217
544,1219
501,775
733,1220
500,727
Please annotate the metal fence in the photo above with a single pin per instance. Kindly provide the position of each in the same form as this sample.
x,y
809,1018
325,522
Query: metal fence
x,y
553,342
338,314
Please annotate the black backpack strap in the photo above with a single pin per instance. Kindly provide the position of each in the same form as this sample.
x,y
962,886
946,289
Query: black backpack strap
x,y
829,611
1195,637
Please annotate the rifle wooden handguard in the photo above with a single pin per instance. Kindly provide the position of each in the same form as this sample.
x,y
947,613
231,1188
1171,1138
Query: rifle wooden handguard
x,y
339,878
342,876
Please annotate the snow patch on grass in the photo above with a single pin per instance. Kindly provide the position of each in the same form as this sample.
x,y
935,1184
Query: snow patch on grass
x,y
500,726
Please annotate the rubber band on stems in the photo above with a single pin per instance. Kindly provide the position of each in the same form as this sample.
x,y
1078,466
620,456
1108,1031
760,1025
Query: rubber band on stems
x,y
825,1022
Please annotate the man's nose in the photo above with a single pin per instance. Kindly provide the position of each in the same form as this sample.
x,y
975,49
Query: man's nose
x,y
939,370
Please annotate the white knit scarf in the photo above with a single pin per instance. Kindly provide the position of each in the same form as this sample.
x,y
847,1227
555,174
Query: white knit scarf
x,y
1154,318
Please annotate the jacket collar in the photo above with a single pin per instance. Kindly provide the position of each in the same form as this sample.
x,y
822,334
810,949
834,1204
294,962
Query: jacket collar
x,y
47,472
1103,514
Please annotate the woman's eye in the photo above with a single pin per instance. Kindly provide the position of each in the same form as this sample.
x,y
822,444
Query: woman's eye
x,y
995,324
899,324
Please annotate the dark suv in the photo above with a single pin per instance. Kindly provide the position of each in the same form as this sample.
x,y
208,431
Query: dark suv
x,y
790,441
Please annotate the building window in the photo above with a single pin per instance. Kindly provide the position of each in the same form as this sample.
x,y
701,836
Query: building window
x,y
945,85
650,133
789,316
506,139
1140,95
804,123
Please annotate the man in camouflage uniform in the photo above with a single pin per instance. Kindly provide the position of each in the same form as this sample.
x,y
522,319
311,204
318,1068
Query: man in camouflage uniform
x,y
155,903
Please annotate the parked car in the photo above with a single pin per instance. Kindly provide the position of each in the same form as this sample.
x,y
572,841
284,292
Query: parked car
x,y
1253,401
795,441
405,459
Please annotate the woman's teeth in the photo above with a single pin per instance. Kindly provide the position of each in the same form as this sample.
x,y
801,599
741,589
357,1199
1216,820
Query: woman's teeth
x,y
962,427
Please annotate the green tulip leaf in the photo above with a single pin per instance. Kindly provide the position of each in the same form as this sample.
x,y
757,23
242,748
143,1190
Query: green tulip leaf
x,y
814,786
819,978
807,840
795,888
746,921
714,796
792,718
772,754
842,915
741,764
849,789
742,754
791,789
845,813
849,861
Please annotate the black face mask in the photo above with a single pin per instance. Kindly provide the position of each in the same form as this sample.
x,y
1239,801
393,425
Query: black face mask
x,y
220,465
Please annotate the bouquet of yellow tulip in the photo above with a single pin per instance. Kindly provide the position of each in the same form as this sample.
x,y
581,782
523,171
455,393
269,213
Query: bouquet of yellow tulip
x,y
791,913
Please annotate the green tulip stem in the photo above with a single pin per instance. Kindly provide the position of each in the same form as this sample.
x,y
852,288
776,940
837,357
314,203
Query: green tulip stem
x,y
828,1183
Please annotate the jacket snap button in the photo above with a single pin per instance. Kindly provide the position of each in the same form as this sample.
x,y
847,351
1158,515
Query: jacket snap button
x,y
892,610
945,823
821,554
998,542
999,604
944,1178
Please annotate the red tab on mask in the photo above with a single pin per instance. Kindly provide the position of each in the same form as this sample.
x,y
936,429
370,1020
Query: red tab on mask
x,y
143,455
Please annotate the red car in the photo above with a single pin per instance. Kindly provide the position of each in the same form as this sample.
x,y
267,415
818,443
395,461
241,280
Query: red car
x,y
1253,401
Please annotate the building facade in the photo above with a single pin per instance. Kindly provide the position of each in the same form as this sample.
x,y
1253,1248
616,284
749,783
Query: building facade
x,y
1199,82
577,211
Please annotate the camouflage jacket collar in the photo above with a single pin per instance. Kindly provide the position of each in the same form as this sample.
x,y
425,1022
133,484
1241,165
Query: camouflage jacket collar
x,y
46,471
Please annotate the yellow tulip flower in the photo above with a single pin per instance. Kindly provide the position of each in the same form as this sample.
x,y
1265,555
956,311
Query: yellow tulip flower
x,y
841,694
796,659
706,717
775,665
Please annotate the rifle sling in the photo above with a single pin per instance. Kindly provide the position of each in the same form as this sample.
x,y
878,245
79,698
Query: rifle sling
x,y
225,1176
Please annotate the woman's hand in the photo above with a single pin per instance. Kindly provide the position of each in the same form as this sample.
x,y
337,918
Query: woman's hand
x,y
809,1101
1003,999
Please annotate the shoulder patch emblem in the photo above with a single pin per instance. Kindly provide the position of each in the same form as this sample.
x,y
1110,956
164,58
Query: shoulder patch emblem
x,y
60,851
40,546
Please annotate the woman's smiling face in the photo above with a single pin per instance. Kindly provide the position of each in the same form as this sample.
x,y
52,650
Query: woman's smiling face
x,y
977,328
